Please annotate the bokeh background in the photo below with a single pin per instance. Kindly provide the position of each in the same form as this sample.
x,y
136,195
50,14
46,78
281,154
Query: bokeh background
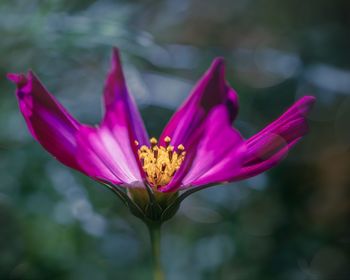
x,y
291,223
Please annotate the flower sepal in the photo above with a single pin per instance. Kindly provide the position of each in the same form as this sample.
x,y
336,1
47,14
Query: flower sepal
x,y
153,207
153,204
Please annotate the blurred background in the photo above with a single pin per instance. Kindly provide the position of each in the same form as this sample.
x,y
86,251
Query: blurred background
x,y
291,223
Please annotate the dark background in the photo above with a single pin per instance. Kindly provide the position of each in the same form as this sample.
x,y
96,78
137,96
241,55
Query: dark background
x,y
291,223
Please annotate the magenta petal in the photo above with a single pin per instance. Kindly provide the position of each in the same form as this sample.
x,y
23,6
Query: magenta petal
x,y
189,124
104,158
264,150
49,123
121,112
261,166
122,118
279,134
220,145
268,147
217,144
108,152
211,91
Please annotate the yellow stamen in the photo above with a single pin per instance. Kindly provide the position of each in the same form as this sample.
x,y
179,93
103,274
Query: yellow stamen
x,y
153,141
167,141
170,150
181,147
160,163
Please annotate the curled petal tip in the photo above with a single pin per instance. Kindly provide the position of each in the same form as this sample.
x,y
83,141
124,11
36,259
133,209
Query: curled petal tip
x,y
31,73
305,104
219,61
18,79
310,99
117,63
116,55
13,77
218,65
217,70
115,50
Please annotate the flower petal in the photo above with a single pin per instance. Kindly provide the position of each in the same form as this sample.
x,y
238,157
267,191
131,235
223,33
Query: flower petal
x,y
103,157
220,145
121,112
49,123
108,152
267,148
211,91
211,97
122,120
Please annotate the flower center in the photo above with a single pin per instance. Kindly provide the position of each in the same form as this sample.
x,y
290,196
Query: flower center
x,y
160,163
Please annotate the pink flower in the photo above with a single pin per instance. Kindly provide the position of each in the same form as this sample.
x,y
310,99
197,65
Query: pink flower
x,y
198,147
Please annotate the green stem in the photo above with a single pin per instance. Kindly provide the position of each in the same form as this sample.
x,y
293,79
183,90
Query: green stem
x,y
154,231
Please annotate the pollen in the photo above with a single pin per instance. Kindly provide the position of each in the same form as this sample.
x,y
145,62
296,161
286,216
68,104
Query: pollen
x,y
160,162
